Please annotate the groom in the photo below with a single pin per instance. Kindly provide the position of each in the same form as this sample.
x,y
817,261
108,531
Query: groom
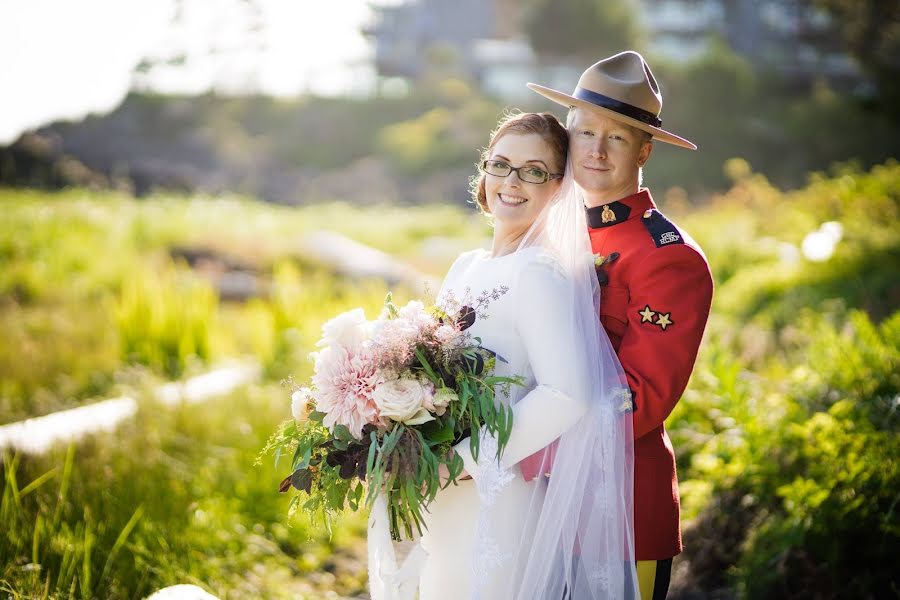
x,y
656,284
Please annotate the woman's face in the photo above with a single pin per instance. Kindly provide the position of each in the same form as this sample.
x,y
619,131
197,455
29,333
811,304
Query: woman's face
x,y
512,202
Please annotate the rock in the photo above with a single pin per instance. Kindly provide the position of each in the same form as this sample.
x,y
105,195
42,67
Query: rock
x,y
182,592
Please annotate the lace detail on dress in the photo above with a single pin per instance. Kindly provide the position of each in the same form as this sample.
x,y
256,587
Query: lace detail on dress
x,y
600,577
490,479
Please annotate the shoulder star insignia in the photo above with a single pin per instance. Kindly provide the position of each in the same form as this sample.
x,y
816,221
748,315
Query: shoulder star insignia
x,y
647,314
664,321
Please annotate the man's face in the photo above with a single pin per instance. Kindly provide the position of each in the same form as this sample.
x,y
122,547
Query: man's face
x,y
606,156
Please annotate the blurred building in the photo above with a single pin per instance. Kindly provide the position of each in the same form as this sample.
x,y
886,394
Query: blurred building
x,y
481,40
477,39
791,37
681,30
412,36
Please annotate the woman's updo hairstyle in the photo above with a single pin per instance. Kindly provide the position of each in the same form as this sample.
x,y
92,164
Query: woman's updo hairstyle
x,y
545,125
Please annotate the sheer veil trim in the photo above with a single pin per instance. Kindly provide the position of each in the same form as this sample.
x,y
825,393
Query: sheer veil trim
x,y
578,538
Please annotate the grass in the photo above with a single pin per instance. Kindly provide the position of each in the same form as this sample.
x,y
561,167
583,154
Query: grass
x,y
172,496
783,429
88,284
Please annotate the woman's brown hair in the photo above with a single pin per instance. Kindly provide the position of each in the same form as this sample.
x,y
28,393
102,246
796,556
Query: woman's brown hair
x,y
545,125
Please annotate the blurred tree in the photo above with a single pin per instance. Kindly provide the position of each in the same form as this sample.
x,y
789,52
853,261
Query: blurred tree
x,y
583,29
871,29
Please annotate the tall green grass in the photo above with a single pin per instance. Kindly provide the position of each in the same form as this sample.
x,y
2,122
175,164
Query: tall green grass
x,y
164,319
172,497
88,288
786,437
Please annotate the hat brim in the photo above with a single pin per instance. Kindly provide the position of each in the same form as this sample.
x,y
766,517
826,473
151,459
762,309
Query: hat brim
x,y
570,101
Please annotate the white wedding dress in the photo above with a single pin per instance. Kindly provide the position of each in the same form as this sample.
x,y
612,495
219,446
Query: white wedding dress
x,y
475,528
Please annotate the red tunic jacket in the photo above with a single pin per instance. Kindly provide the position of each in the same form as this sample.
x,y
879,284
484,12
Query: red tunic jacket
x,y
654,308
655,296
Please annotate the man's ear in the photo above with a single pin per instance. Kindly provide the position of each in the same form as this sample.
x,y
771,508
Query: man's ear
x,y
645,152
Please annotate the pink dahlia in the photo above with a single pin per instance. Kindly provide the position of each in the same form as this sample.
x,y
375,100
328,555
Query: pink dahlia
x,y
344,383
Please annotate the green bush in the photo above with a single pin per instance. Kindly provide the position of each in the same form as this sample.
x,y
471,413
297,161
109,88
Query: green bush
x,y
802,457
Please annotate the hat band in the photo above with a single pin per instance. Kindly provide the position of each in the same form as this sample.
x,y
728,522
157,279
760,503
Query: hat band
x,y
628,110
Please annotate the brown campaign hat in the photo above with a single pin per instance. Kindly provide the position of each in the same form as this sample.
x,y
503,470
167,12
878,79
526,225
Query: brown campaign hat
x,y
623,88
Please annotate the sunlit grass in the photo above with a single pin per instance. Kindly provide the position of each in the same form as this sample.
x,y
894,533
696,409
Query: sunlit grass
x,y
88,286
780,436
171,497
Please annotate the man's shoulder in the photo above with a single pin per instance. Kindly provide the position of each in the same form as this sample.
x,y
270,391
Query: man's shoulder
x,y
660,237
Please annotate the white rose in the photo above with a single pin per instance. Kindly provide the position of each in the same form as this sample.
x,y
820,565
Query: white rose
x,y
402,400
299,401
348,330
442,398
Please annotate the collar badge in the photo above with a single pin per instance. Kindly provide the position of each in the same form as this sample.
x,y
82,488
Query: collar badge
x,y
607,216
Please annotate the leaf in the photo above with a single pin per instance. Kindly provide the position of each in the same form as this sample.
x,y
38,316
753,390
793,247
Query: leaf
x,y
373,449
335,458
464,394
436,432
302,480
425,365
347,470
493,380
342,433
474,364
336,495
355,496
316,416
390,441
389,305
301,456
466,318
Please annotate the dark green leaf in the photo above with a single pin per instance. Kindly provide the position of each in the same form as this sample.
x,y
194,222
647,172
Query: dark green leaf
x,y
466,318
342,433
348,469
436,432
425,365
302,480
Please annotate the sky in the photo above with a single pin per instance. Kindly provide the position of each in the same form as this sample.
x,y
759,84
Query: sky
x,y
76,57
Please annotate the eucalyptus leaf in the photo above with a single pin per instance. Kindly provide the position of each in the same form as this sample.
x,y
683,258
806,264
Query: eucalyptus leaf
x,y
436,432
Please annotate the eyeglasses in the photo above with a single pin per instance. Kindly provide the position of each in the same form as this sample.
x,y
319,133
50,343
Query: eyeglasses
x,y
499,168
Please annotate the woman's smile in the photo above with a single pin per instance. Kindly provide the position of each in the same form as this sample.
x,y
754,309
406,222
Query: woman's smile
x,y
511,199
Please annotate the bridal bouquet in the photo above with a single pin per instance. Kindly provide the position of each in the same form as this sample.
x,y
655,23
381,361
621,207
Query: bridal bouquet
x,y
387,400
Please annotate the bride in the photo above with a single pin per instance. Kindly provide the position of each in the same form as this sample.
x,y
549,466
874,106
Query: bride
x,y
552,518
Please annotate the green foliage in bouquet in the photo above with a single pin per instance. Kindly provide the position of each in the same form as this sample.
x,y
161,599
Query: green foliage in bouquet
x,y
402,459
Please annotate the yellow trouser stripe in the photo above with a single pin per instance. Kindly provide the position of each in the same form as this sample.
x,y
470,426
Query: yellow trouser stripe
x,y
646,574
